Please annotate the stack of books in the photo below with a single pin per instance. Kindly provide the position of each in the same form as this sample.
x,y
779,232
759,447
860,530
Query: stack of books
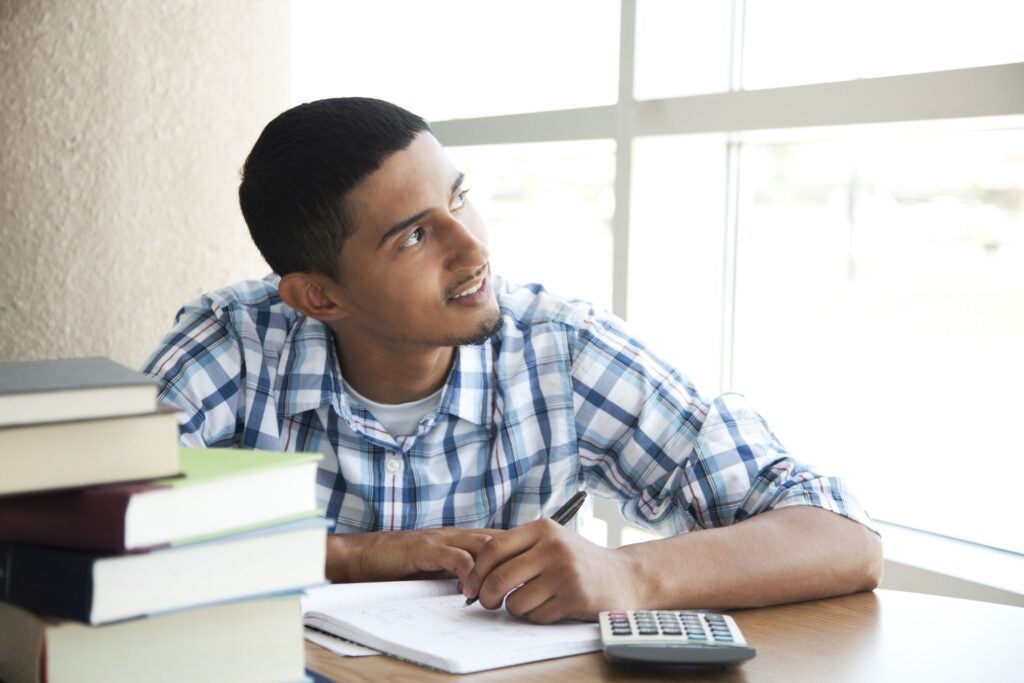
x,y
124,557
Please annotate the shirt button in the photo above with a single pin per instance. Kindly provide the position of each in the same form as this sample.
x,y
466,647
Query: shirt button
x,y
393,465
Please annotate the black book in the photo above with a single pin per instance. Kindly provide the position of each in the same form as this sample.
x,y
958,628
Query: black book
x,y
99,588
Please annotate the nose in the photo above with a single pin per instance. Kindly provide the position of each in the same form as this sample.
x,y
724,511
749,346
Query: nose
x,y
466,245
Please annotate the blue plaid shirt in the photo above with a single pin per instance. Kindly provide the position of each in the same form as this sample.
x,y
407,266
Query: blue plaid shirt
x,y
562,398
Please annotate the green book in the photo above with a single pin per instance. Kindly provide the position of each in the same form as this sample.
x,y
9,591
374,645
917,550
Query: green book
x,y
220,491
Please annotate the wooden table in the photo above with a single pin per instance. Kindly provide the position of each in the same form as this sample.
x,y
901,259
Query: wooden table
x,y
866,637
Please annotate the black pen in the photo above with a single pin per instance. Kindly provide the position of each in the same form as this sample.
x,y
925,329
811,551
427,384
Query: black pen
x,y
562,516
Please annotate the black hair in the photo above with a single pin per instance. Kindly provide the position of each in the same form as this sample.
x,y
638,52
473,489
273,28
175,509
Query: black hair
x,y
304,163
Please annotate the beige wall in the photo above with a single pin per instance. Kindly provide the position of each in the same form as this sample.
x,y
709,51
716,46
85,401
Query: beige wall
x,y
123,127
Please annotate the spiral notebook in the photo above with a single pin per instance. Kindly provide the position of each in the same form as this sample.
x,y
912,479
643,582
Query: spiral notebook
x,y
428,623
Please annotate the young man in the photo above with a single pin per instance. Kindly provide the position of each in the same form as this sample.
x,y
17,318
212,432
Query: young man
x,y
456,412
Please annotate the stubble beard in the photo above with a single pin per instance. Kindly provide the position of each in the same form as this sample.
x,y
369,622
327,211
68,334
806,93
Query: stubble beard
x,y
487,329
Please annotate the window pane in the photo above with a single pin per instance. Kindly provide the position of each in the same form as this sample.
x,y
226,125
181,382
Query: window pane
x,y
682,48
789,42
548,208
879,326
675,252
458,58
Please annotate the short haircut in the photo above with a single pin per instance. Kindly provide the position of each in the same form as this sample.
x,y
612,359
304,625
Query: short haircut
x,y
304,163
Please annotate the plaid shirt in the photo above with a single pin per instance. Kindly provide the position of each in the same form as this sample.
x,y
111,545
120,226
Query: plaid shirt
x,y
561,399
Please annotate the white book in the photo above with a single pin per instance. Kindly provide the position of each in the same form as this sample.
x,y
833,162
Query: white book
x,y
252,641
428,623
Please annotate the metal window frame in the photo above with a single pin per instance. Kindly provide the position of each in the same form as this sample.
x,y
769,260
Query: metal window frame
x,y
988,91
960,93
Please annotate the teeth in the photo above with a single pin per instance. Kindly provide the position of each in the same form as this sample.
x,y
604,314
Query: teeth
x,y
472,290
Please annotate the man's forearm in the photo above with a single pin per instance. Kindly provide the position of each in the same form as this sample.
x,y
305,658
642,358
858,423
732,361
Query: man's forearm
x,y
785,555
389,555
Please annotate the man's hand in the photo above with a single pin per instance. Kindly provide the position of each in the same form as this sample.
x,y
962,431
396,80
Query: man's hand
x,y
795,553
389,555
552,573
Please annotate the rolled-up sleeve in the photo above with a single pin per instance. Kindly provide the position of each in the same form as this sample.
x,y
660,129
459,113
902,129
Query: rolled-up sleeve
x,y
674,461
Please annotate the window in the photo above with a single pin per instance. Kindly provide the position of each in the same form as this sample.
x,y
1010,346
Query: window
x,y
793,42
541,201
457,58
879,325
848,252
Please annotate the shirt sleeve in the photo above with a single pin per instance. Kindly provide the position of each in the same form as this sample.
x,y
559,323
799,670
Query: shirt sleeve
x,y
675,461
198,367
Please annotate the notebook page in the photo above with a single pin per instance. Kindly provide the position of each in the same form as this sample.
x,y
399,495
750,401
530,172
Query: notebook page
x,y
443,633
341,595
337,645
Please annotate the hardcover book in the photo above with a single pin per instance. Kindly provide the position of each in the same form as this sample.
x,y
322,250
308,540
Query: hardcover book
x,y
59,455
255,641
72,389
97,588
220,491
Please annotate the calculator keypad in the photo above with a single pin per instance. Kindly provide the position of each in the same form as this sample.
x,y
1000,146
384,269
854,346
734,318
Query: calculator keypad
x,y
684,637
682,626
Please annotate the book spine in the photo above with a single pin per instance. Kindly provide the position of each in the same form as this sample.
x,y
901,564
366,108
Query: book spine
x,y
88,519
47,581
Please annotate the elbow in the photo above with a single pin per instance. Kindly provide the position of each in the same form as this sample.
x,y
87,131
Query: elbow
x,y
871,561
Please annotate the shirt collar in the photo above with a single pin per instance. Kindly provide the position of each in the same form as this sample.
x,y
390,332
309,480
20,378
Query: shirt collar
x,y
310,376
308,372
469,392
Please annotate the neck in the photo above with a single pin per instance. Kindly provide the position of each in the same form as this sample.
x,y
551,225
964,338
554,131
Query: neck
x,y
388,372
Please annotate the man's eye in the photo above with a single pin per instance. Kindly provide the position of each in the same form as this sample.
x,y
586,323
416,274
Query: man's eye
x,y
413,239
460,199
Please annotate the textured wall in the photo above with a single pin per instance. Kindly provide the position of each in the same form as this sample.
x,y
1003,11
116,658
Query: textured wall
x,y
123,127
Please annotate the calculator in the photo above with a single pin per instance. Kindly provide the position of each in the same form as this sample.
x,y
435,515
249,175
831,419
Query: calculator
x,y
673,637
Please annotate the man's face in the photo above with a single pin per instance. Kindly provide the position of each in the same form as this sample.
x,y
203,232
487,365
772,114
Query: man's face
x,y
416,269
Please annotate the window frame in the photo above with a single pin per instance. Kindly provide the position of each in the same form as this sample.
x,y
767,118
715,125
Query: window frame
x,y
977,92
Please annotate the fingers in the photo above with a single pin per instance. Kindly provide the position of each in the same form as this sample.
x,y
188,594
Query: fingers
x,y
388,555
472,541
504,562
449,549
448,558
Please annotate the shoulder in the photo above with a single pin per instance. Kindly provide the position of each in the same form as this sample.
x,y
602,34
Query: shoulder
x,y
222,324
255,303
529,305
547,326
526,308
249,313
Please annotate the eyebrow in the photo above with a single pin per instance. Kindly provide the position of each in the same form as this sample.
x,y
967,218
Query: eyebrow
x,y
412,220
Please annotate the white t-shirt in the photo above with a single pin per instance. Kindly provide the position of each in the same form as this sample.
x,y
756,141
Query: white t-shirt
x,y
400,419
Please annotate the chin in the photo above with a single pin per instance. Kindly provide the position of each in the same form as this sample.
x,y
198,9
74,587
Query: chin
x,y
484,331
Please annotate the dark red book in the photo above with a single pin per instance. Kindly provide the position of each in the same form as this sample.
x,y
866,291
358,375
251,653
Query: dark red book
x,y
219,491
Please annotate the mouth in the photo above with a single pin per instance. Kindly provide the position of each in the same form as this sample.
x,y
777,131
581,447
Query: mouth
x,y
470,291
472,294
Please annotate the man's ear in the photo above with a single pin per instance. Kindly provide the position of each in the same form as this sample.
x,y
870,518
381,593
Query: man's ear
x,y
313,295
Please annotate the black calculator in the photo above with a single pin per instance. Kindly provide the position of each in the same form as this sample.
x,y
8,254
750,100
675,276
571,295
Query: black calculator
x,y
673,637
